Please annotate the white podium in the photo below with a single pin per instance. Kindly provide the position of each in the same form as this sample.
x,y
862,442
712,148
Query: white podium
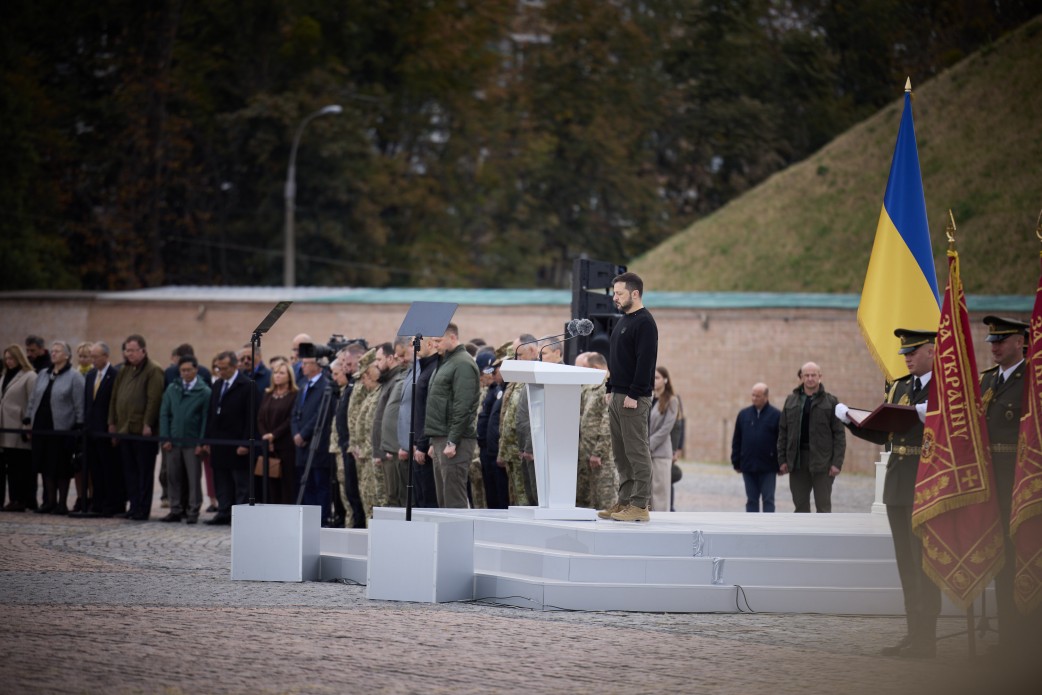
x,y
553,407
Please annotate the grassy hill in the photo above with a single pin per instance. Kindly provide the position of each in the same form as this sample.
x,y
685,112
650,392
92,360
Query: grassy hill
x,y
810,227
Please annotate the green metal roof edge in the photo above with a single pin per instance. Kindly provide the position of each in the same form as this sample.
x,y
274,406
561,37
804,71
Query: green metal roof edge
x,y
665,300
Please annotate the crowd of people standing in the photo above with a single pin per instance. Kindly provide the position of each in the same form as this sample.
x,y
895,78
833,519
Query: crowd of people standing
x,y
331,426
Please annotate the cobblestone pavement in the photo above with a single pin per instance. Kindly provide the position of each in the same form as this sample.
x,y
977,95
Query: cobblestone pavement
x,y
127,607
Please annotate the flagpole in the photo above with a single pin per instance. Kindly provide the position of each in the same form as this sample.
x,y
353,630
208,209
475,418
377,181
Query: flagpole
x,y
971,637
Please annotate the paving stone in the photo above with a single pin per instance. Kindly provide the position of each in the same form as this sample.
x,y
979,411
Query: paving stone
x,y
103,605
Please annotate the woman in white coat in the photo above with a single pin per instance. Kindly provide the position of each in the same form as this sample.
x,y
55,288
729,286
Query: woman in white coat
x,y
663,414
17,379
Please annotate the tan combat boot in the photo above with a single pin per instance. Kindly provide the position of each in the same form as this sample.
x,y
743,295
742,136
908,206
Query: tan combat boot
x,y
606,513
631,513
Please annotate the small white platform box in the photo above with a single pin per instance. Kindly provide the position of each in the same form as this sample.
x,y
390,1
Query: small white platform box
x,y
276,542
421,561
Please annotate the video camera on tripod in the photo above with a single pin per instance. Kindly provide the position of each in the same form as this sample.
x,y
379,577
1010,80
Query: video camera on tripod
x,y
337,342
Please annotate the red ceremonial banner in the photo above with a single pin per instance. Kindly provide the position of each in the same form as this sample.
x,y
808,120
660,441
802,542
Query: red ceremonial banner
x,y
956,513
1025,524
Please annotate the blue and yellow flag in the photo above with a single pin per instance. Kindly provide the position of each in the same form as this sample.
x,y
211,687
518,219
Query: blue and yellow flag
x,y
901,283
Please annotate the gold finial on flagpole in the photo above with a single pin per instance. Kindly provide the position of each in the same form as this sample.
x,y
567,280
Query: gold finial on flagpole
x,y
950,230
908,84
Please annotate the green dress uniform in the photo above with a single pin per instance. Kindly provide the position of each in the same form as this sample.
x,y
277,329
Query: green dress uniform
x,y
922,598
1003,401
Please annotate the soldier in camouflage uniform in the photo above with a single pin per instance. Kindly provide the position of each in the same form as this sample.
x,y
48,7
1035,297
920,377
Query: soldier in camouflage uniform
x,y
509,442
484,359
509,449
354,407
597,484
369,483
335,451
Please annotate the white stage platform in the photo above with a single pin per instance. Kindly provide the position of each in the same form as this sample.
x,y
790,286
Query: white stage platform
x,y
679,562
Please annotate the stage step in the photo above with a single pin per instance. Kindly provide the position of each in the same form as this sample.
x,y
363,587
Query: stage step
x,y
700,562
582,567
344,554
545,594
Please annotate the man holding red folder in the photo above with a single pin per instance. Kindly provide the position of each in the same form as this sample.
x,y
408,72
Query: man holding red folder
x,y
921,596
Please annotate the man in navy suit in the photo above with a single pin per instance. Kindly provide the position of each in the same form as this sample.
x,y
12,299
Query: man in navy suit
x,y
109,495
229,418
260,372
305,426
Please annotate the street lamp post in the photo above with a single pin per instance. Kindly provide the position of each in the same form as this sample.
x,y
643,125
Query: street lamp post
x,y
289,262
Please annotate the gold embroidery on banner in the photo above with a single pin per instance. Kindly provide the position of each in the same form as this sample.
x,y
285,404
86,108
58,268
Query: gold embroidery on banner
x,y
927,448
942,557
1027,492
933,491
989,552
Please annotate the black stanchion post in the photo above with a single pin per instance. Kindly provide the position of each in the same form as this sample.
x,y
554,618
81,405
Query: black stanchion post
x,y
417,341
422,319
264,326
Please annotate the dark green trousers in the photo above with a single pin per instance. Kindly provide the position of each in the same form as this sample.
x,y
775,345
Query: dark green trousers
x,y
629,443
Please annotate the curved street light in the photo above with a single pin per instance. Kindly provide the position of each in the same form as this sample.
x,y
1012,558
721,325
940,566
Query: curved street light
x,y
289,262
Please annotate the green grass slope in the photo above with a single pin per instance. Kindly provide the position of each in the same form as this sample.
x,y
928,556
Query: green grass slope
x,y
810,227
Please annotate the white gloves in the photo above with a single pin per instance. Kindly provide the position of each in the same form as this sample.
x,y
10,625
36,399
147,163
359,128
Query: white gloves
x,y
920,408
841,413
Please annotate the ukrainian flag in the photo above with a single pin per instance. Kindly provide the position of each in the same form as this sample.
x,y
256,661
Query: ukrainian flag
x,y
901,283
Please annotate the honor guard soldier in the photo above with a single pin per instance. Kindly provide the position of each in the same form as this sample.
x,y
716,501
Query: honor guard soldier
x,y
1002,392
921,596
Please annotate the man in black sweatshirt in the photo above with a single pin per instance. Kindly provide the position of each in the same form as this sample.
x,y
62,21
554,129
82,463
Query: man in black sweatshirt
x,y
631,362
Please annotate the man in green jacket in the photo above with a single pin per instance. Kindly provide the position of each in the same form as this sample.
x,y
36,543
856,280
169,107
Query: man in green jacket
x,y
182,422
452,406
811,442
134,409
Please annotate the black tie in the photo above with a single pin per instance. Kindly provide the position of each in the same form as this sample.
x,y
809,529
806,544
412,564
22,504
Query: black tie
x,y
917,387
1000,381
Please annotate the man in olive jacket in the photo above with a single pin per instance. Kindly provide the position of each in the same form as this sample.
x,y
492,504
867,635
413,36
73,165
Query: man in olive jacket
x,y
452,407
811,441
134,409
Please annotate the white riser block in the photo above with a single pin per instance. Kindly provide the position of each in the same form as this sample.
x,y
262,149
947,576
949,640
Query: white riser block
x,y
344,541
337,566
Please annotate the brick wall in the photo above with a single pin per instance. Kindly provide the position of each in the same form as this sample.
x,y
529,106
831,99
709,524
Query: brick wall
x,y
714,356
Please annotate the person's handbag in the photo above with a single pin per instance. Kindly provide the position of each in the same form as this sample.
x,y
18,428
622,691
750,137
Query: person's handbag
x,y
274,467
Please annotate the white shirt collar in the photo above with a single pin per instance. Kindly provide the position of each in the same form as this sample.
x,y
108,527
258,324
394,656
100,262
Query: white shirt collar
x,y
1005,373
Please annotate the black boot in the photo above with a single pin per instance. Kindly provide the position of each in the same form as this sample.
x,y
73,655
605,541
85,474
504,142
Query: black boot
x,y
924,641
905,641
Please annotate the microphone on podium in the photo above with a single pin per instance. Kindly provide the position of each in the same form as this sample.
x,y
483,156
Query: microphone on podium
x,y
574,329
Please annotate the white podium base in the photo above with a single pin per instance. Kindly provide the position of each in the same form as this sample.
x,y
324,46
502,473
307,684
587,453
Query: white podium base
x,y
877,504
276,542
553,513
422,561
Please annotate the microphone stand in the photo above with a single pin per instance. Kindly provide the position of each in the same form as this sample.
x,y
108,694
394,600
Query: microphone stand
x,y
558,342
570,332
577,328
